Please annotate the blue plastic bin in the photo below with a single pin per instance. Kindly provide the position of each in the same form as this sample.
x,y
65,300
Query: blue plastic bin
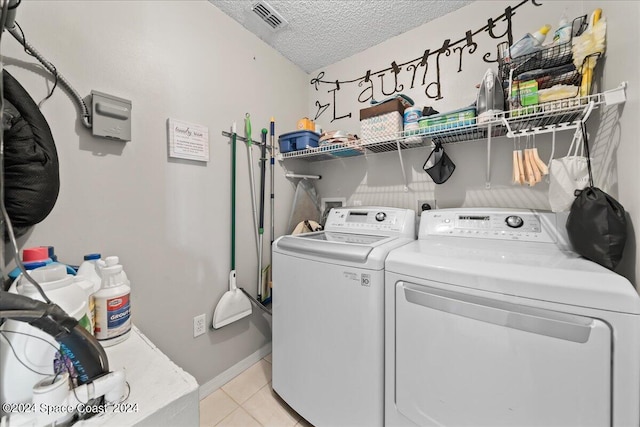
x,y
298,140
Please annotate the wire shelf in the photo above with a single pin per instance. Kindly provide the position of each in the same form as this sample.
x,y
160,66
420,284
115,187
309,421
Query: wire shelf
x,y
545,58
556,115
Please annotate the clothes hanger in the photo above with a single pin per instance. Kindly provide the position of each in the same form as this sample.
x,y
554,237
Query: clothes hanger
x,y
542,167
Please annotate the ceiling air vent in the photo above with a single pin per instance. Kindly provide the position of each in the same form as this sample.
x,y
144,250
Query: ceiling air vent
x,y
269,15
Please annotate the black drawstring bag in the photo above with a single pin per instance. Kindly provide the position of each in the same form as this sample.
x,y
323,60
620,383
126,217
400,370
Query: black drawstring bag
x,y
31,177
438,165
597,223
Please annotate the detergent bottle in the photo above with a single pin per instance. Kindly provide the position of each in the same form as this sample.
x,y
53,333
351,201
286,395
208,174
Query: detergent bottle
x,y
114,260
529,42
34,257
113,306
90,271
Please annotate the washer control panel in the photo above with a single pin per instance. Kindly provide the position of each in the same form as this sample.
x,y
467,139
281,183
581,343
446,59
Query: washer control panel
x,y
502,224
377,220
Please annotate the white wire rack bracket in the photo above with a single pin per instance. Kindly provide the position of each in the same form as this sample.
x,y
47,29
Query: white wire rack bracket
x,y
616,96
551,117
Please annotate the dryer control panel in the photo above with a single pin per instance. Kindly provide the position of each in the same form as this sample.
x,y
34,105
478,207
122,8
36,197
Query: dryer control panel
x,y
502,224
373,220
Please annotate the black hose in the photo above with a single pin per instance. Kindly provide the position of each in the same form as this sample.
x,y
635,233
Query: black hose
x,y
85,352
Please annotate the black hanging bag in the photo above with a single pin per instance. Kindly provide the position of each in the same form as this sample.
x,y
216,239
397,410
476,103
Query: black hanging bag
x,y
597,223
31,175
438,165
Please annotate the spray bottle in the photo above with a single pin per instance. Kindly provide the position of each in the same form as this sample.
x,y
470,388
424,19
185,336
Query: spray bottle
x,y
563,33
529,42
113,307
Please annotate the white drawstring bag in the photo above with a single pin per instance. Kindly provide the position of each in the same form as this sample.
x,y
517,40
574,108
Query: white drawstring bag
x,y
568,174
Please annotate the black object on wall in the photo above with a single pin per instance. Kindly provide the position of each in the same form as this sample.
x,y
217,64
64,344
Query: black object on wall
x,y
31,170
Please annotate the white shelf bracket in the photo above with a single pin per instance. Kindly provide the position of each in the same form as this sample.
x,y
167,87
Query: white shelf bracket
x,y
487,184
510,133
404,174
616,96
587,112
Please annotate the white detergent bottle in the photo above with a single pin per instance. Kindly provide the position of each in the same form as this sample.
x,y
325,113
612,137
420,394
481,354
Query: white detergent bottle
x,y
114,260
113,307
90,271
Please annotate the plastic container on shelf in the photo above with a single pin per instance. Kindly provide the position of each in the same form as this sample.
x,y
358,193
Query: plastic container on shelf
x,y
113,305
298,140
412,114
453,119
563,33
61,288
34,257
411,126
90,271
529,42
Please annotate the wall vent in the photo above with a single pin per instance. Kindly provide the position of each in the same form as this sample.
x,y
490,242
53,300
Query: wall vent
x,y
269,15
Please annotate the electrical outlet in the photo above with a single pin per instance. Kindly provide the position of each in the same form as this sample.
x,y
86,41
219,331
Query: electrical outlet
x,y
425,205
199,327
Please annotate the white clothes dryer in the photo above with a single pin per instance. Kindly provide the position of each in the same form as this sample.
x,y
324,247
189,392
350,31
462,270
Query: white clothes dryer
x,y
328,315
491,320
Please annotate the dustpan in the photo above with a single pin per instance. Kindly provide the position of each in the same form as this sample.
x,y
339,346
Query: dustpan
x,y
234,304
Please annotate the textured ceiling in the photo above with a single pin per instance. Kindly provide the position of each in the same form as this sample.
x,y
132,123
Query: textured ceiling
x,y
322,32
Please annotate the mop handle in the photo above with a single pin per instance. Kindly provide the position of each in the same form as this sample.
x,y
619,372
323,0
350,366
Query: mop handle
x,y
273,134
233,197
247,128
263,159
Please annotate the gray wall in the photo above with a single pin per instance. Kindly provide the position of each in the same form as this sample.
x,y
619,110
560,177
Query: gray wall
x,y
168,220
377,178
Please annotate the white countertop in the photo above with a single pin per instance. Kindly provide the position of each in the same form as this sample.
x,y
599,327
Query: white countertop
x,y
162,393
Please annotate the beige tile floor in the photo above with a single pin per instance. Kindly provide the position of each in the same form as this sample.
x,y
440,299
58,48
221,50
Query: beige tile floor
x,y
248,401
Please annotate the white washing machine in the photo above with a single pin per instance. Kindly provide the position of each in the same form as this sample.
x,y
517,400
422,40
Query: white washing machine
x,y
328,315
492,321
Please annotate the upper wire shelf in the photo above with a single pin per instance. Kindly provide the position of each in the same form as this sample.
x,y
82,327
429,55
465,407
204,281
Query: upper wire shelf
x,y
542,118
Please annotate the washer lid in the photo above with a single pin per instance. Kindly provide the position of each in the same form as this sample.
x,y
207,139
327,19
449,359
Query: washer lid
x,y
530,270
339,246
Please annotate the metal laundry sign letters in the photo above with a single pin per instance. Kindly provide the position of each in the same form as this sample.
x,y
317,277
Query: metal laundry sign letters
x,y
421,71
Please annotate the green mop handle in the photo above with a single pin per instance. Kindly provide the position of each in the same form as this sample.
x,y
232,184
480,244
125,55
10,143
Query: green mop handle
x,y
247,128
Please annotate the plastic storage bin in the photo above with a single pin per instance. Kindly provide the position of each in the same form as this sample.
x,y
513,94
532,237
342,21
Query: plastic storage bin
x,y
298,140
462,117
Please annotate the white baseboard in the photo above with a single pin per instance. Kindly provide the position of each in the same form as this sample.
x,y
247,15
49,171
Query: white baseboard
x,y
212,385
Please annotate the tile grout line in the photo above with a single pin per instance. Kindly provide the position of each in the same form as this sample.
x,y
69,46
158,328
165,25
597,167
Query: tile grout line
x,y
250,396
241,405
250,414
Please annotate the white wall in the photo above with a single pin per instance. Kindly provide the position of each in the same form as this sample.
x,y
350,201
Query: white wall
x,y
168,220
377,179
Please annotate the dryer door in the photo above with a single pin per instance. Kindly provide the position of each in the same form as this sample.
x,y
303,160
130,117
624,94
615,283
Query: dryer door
x,y
464,360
